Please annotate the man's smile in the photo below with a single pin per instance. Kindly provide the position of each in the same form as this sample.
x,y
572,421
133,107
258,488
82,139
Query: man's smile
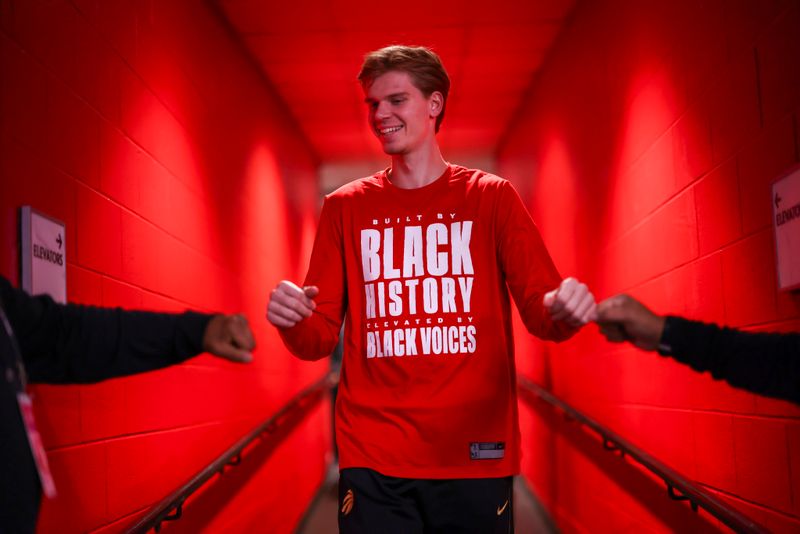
x,y
389,130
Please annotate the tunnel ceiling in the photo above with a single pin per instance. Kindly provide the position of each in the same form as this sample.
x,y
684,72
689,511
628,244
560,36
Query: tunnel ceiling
x,y
311,51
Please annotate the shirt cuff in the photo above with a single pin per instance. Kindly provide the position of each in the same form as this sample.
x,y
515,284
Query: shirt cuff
x,y
665,343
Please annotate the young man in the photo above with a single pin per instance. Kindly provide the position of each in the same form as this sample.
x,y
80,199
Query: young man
x,y
420,258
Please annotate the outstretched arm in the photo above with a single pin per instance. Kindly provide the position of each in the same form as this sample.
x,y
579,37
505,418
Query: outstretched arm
x,y
764,363
548,313
309,318
75,344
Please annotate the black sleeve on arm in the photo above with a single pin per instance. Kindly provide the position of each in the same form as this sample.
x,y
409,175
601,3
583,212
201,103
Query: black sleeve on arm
x,y
79,344
764,363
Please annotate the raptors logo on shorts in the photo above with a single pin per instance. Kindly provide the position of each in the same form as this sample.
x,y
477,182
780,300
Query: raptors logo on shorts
x,y
347,503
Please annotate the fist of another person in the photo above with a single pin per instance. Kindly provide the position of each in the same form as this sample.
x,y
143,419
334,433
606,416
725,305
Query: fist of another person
x,y
571,302
229,337
623,318
289,304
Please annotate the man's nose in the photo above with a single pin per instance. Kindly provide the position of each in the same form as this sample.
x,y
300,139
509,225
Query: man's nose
x,y
382,110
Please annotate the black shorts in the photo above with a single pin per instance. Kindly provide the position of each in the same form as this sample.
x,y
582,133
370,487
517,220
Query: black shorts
x,y
370,502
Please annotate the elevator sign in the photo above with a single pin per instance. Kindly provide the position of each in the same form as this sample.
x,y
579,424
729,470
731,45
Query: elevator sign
x,y
44,255
786,220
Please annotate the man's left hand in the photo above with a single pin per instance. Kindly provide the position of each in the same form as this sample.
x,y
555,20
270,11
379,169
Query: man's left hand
x,y
571,302
229,337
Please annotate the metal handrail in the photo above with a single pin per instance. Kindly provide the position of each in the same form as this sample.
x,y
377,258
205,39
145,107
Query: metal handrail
x,y
687,490
171,507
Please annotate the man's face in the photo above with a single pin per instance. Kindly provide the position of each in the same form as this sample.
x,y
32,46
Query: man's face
x,y
400,116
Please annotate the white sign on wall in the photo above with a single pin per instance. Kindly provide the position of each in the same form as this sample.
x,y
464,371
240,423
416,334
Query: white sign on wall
x,y
44,255
786,221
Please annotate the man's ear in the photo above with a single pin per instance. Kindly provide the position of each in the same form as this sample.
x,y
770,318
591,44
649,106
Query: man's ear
x,y
435,103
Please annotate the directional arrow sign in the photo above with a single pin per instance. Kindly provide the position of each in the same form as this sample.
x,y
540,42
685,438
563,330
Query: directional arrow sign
x,y
44,258
786,222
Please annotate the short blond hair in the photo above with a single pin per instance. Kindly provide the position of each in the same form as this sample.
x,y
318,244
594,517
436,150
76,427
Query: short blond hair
x,y
422,65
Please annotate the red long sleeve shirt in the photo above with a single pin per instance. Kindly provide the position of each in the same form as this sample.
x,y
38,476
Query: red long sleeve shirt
x,y
423,276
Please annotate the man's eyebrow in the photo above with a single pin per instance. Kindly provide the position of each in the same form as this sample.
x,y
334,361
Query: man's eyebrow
x,y
368,100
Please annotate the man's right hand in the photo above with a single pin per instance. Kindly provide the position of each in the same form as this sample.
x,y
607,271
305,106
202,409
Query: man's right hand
x,y
289,304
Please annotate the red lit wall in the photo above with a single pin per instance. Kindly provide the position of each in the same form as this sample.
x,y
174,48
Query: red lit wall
x,y
183,183
646,150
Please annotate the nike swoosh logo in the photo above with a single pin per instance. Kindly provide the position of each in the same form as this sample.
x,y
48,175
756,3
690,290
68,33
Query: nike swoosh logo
x,y
503,509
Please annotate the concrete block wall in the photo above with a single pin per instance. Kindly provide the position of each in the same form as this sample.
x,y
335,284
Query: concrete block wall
x,y
183,183
647,148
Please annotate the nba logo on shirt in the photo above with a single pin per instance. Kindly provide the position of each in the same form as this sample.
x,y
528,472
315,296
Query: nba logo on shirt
x,y
494,450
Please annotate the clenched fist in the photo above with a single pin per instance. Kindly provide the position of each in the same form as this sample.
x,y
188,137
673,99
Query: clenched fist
x,y
571,302
229,337
623,318
289,304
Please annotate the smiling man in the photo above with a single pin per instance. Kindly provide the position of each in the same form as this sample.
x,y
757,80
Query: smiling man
x,y
422,260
